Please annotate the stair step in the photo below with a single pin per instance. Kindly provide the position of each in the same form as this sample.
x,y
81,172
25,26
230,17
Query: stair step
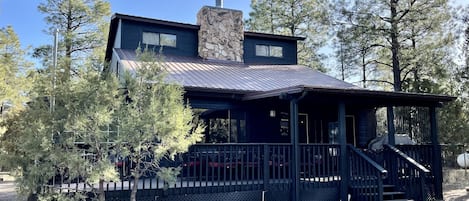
x,y
393,195
385,186
399,200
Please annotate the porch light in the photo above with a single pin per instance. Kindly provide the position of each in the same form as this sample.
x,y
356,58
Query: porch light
x,y
272,113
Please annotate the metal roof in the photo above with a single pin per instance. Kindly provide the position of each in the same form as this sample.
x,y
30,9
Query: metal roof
x,y
192,72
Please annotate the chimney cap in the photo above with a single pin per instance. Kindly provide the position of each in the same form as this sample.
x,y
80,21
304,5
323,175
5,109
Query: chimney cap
x,y
219,3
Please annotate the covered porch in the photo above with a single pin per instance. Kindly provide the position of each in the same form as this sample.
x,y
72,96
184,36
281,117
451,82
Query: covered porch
x,y
312,143
302,143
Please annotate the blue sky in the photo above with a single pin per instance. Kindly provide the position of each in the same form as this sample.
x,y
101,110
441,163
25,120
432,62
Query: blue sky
x,y
29,23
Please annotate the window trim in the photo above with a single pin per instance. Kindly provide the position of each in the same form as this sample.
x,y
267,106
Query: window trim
x,y
159,39
269,50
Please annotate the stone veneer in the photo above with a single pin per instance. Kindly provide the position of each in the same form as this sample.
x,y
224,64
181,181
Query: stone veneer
x,y
221,34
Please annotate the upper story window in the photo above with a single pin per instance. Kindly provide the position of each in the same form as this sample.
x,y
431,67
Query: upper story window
x,y
269,51
160,39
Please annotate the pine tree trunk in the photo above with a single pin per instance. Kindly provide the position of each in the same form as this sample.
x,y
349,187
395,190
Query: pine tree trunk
x,y
395,47
363,69
133,193
102,196
68,45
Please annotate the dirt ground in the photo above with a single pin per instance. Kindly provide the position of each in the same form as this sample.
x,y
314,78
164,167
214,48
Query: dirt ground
x,y
455,182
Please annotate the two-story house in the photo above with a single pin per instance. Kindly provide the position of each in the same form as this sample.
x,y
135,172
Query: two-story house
x,y
277,130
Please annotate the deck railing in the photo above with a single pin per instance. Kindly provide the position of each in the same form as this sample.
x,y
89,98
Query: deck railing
x,y
319,165
422,154
214,168
366,176
407,174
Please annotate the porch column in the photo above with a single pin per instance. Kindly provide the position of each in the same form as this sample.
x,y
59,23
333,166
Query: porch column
x,y
295,171
391,128
436,166
344,162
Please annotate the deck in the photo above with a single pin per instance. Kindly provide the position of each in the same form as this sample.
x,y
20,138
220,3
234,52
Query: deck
x,y
224,168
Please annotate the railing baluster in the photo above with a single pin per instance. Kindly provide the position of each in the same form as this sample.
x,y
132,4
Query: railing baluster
x,y
366,176
266,167
411,175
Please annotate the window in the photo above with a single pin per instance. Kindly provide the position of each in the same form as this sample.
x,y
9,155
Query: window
x,y
223,126
276,51
269,51
151,38
160,39
168,40
262,50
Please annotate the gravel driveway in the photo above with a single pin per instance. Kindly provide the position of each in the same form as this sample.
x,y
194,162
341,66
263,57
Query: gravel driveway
x,y
7,191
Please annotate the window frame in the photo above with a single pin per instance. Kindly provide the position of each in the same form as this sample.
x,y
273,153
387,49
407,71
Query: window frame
x,y
269,52
159,36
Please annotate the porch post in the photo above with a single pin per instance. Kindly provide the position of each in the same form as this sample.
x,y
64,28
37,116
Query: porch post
x,y
436,166
391,128
344,172
295,172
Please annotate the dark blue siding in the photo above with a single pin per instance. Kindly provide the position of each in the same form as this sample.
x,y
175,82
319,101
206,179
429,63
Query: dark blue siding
x,y
289,51
366,127
187,39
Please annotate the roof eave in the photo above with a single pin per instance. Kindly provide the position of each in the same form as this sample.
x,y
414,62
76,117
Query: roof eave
x,y
273,36
392,98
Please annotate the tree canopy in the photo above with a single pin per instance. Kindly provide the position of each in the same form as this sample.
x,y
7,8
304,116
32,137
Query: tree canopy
x,y
82,26
307,18
14,70
154,122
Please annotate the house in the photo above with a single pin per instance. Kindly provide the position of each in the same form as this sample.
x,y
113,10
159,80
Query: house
x,y
277,130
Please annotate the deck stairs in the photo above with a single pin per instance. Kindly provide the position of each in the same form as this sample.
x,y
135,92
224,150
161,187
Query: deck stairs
x,y
389,193
368,175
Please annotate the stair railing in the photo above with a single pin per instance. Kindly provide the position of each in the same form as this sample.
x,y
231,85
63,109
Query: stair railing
x,y
407,174
366,176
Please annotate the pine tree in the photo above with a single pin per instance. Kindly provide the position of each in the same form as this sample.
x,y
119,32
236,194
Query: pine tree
x,y
306,18
49,144
154,123
14,70
80,23
408,37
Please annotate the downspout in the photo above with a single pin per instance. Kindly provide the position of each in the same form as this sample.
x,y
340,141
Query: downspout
x,y
295,170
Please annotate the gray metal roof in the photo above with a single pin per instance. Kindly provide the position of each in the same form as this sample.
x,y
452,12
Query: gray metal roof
x,y
223,75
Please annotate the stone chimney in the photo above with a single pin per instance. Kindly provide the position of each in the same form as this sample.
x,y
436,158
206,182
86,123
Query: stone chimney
x,y
221,34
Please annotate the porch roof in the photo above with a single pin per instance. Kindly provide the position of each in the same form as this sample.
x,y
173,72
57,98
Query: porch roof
x,y
375,97
251,82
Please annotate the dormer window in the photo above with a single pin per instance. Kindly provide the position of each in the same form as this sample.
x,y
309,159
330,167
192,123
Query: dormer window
x,y
159,39
269,51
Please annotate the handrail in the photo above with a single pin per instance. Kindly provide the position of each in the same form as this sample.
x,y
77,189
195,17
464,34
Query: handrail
x,y
366,176
375,165
410,160
414,181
